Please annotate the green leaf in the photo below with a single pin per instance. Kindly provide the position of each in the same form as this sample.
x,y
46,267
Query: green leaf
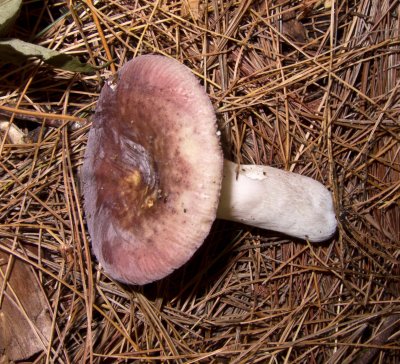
x,y
9,11
17,51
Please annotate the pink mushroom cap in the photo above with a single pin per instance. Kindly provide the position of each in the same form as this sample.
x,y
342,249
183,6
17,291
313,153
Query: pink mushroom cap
x,y
152,170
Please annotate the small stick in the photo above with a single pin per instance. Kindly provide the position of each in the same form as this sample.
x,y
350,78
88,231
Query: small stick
x,y
51,120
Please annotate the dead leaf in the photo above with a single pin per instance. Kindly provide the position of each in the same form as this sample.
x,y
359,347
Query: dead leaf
x,y
14,134
293,28
25,324
191,8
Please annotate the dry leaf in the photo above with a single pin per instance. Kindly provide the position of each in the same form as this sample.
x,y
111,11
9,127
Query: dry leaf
x,y
23,314
293,28
14,134
191,8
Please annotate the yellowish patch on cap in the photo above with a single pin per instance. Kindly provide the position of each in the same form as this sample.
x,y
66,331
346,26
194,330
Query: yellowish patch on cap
x,y
133,178
149,202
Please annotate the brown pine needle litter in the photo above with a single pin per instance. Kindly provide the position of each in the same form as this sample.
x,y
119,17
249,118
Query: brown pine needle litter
x,y
308,86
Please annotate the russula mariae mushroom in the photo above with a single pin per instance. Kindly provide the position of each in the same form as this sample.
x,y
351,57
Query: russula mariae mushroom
x,y
153,172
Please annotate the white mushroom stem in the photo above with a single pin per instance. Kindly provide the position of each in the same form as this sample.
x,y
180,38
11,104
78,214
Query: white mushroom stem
x,y
278,200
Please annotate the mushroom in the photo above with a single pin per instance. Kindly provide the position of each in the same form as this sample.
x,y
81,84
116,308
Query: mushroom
x,y
153,172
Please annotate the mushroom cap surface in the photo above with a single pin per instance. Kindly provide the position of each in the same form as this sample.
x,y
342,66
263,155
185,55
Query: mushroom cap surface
x,y
152,170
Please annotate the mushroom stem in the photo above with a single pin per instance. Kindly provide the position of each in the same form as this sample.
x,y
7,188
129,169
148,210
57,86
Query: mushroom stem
x,y
273,199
